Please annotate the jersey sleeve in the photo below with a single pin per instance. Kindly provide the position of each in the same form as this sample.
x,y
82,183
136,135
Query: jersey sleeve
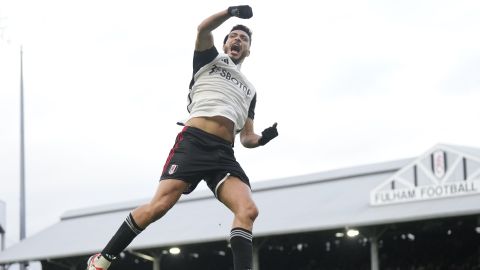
x,y
251,109
200,59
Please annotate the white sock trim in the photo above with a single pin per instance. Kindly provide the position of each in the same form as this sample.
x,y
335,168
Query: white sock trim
x,y
102,262
130,224
241,233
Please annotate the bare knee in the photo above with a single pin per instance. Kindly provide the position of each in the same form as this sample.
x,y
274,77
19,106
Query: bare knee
x,y
248,213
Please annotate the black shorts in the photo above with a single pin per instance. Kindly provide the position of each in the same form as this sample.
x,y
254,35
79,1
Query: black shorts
x,y
199,155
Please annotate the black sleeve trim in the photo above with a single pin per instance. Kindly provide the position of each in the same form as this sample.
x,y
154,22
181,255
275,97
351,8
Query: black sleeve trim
x,y
200,59
251,109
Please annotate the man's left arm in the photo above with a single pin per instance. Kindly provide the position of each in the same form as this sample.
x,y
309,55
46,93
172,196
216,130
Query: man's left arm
x,y
250,139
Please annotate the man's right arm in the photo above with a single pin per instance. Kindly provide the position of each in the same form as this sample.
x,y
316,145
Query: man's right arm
x,y
204,35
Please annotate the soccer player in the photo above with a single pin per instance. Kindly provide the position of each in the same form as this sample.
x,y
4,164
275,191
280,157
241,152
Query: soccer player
x,y
221,105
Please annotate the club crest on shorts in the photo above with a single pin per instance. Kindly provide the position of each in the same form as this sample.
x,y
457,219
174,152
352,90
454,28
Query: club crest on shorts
x,y
172,169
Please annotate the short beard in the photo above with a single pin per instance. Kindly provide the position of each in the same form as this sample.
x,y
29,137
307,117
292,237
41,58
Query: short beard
x,y
239,60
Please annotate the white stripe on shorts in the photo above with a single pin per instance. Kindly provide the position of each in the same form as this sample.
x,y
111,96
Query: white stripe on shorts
x,y
220,183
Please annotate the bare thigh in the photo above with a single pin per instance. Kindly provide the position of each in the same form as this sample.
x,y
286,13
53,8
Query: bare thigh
x,y
237,196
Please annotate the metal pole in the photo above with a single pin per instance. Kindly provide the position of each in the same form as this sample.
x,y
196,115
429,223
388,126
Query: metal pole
x,y
155,259
374,235
374,253
156,263
22,160
2,228
2,244
256,258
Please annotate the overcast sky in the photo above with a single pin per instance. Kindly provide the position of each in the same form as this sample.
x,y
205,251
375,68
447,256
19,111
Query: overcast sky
x,y
349,82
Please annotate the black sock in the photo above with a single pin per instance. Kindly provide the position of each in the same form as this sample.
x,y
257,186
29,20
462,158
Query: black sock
x,y
242,249
122,238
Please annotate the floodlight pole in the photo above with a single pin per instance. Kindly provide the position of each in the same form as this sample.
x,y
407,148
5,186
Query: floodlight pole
x,y
22,160
2,240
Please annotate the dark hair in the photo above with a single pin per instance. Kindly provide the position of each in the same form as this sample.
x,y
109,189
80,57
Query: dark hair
x,y
242,28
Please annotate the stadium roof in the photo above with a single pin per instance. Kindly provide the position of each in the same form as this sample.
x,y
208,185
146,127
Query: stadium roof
x,y
358,196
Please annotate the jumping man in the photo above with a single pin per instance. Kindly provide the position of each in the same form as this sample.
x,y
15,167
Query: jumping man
x,y
221,105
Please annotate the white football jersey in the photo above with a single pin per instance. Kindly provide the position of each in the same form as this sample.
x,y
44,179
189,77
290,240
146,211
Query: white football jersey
x,y
219,88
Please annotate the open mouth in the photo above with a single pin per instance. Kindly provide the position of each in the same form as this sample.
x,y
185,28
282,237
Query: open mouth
x,y
235,48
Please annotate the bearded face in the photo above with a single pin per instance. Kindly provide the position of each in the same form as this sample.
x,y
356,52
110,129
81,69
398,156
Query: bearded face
x,y
237,46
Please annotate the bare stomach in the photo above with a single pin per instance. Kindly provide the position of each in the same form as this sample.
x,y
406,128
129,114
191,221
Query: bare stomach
x,y
216,125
